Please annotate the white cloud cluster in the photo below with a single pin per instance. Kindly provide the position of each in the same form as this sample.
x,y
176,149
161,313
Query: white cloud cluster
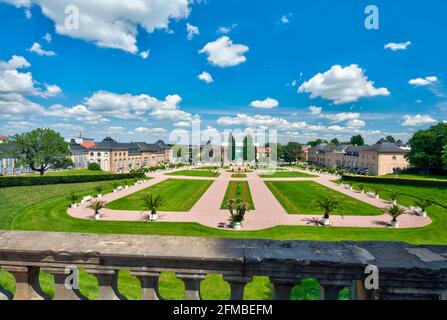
x,y
417,120
268,103
227,30
224,53
206,77
111,23
342,85
39,50
393,46
422,82
315,111
191,31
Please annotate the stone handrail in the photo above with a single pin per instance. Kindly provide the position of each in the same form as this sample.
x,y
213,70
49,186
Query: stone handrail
x,y
405,271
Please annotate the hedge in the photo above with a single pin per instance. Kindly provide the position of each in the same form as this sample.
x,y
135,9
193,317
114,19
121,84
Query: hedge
x,y
398,181
43,180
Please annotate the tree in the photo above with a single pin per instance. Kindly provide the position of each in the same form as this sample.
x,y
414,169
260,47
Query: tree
x,y
335,142
327,205
394,211
358,140
249,153
94,166
96,206
428,152
316,142
40,149
291,152
390,139
231,153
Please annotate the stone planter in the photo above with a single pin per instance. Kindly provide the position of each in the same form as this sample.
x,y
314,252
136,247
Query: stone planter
x,y
115,191
378,197
99,196
423,214
74,205
394,224
153,217
126,187
362,191
237,225
394,202
97,217
326,222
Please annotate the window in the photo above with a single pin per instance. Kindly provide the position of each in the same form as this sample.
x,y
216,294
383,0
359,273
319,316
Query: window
x,y
394,158
99,154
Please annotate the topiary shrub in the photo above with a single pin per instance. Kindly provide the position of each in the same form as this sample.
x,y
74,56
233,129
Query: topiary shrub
x,y
94,166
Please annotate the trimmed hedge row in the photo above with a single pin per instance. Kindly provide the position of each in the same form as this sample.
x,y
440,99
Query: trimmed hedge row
x,y
398,181
43,180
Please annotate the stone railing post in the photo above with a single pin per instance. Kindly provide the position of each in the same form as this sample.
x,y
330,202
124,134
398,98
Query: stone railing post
x,y
330,289
357,291
108,284
283,287
149,284
27,283
237,285
61,292
192,284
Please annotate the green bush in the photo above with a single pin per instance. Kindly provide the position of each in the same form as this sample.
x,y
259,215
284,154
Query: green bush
x,y
44,180
398,181
94,166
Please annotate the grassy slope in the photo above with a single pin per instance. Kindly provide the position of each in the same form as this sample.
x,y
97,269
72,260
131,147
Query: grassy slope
x,y
238,190
287,174
416,176
195,173
299,197
180,195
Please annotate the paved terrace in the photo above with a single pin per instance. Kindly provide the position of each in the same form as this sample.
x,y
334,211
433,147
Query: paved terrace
x,y
269,212
405,271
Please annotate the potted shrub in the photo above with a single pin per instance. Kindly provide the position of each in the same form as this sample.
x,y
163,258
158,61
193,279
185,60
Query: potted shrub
x,y
115,187
423,204
73,198
377,192
126,184
362,188
238,208
151,203
393,196
328,205
96,206
98,190
395,212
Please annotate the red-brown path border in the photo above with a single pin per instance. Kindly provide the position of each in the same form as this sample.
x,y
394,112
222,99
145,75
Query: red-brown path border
x,y
269,212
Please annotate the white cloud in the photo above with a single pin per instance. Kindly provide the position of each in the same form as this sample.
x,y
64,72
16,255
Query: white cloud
x,y
342,85
223,53
423,81
342,116
285,19
315,111
268,103
356,123
127,106
191,31
417,120
47,37
393,46
154,131
145,54
79,113
37,49
182,124
111,23
252,121
16,62
206,77
226,30
52,90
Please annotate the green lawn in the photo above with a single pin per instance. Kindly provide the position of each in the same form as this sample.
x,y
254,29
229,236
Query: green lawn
x,y
416,176
195,173
180,195
287,174
44,208
239,175
300,197
238,190
77,172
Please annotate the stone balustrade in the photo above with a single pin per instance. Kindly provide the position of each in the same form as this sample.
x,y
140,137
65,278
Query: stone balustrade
x,y
405,271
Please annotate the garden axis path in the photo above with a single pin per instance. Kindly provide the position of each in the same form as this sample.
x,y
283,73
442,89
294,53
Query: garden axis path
x,y
268,213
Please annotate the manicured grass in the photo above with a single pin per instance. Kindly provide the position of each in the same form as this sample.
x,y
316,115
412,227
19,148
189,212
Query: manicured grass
x,y
238,190
239,175
77,172
195,173
180,195
287,174
416,176
300,197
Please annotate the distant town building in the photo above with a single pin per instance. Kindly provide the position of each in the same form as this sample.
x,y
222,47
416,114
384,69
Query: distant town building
x,y
377,160
119,157
3,139
79,154
305,152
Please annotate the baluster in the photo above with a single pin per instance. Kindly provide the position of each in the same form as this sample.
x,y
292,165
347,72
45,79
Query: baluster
x,y
237,285
149,284
283,287
357,291
108,284
61,292
27,283
192,284
330,289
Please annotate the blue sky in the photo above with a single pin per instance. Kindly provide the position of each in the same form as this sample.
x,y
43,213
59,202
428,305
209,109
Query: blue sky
x,y
306,68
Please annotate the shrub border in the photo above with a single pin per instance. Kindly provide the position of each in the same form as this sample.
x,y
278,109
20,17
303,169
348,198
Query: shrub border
x,y
398,181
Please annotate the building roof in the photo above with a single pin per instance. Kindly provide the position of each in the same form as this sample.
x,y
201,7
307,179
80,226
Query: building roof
x,y
383,147
133,147
2,137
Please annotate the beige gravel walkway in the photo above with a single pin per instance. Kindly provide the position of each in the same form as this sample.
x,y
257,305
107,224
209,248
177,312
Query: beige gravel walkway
x,y
268,213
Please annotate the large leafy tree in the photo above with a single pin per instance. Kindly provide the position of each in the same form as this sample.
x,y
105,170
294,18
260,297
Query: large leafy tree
x,y
358,140
291,152
428,149
249,149
40,149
